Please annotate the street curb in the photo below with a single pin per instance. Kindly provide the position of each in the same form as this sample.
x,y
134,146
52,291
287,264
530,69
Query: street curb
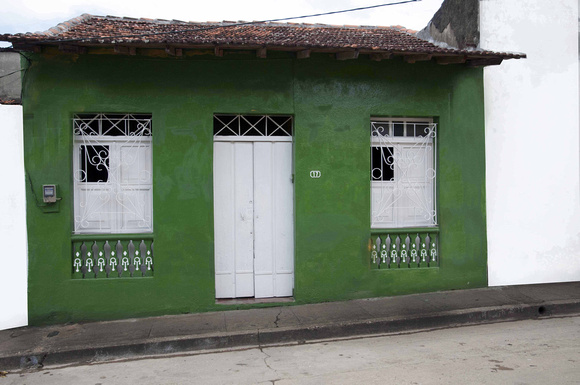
x,y
301,334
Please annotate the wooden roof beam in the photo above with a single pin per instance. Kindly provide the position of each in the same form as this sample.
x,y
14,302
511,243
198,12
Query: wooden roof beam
x,y
124,50
219,52
261,52
27,47
477,62
378,56
67,48
304,54
347,55
450,59
172,51
417,57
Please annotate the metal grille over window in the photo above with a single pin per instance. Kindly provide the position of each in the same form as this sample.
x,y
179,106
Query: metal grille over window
x,y
252,125
112,173
403,173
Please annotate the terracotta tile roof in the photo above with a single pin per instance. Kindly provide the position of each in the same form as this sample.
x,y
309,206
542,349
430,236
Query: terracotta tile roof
x,y
88,30
10,101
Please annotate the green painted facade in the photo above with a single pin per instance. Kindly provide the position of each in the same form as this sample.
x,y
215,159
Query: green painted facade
x,y
332,103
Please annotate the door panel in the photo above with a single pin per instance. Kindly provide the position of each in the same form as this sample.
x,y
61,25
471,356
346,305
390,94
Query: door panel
x,y
244,219
224,226
233,222
283,219
263,220
273,218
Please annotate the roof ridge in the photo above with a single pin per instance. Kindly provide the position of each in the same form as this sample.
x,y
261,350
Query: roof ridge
x,y
64,26
401,28
254,22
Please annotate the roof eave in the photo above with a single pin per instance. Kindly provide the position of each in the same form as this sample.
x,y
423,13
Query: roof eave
x,y
472,59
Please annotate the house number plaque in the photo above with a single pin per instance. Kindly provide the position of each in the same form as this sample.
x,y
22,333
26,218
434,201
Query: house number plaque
x,y
315,174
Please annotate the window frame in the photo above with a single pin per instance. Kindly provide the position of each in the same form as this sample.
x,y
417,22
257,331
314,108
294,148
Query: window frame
x,y
117,185
398,143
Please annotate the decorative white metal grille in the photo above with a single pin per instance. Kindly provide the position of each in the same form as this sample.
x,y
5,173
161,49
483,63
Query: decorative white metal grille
x,y
406,250
252,125
112,173
403,173
126,257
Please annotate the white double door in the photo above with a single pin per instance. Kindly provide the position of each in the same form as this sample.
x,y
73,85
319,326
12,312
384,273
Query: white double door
x,y
254,218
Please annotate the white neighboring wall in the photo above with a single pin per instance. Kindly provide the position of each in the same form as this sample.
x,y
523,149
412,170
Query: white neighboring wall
x,y
13,259
532,141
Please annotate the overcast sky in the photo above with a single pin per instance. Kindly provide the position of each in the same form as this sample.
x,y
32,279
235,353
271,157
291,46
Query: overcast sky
x,y
39,15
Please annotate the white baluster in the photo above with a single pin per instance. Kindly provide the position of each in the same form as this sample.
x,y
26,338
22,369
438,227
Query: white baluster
x,y
77,264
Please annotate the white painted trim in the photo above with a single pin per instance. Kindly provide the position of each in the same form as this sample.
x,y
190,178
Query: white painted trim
x,y
252,138
109,139
401,119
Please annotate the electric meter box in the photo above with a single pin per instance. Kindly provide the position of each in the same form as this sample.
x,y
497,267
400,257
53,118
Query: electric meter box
x,y
49,193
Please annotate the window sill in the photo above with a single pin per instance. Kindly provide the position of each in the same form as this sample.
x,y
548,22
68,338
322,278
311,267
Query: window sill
x,y
404,230
110,236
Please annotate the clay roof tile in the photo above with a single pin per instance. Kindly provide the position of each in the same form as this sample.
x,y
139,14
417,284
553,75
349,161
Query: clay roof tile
x,y
106,30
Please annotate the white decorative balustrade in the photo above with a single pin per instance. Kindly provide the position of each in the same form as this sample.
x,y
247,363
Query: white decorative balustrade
x,y
404,250
102,257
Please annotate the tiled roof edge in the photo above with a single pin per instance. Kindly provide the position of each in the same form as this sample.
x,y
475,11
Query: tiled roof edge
x,y
475,50
10,102
402,29
64,26
255,22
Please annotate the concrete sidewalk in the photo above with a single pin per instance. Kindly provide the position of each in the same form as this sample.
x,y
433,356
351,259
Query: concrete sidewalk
x,y
99,341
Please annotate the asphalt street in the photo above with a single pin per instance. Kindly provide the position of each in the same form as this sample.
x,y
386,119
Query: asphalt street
x,y
542,351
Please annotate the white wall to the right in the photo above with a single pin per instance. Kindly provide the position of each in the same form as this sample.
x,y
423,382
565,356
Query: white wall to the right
x,y
532,141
